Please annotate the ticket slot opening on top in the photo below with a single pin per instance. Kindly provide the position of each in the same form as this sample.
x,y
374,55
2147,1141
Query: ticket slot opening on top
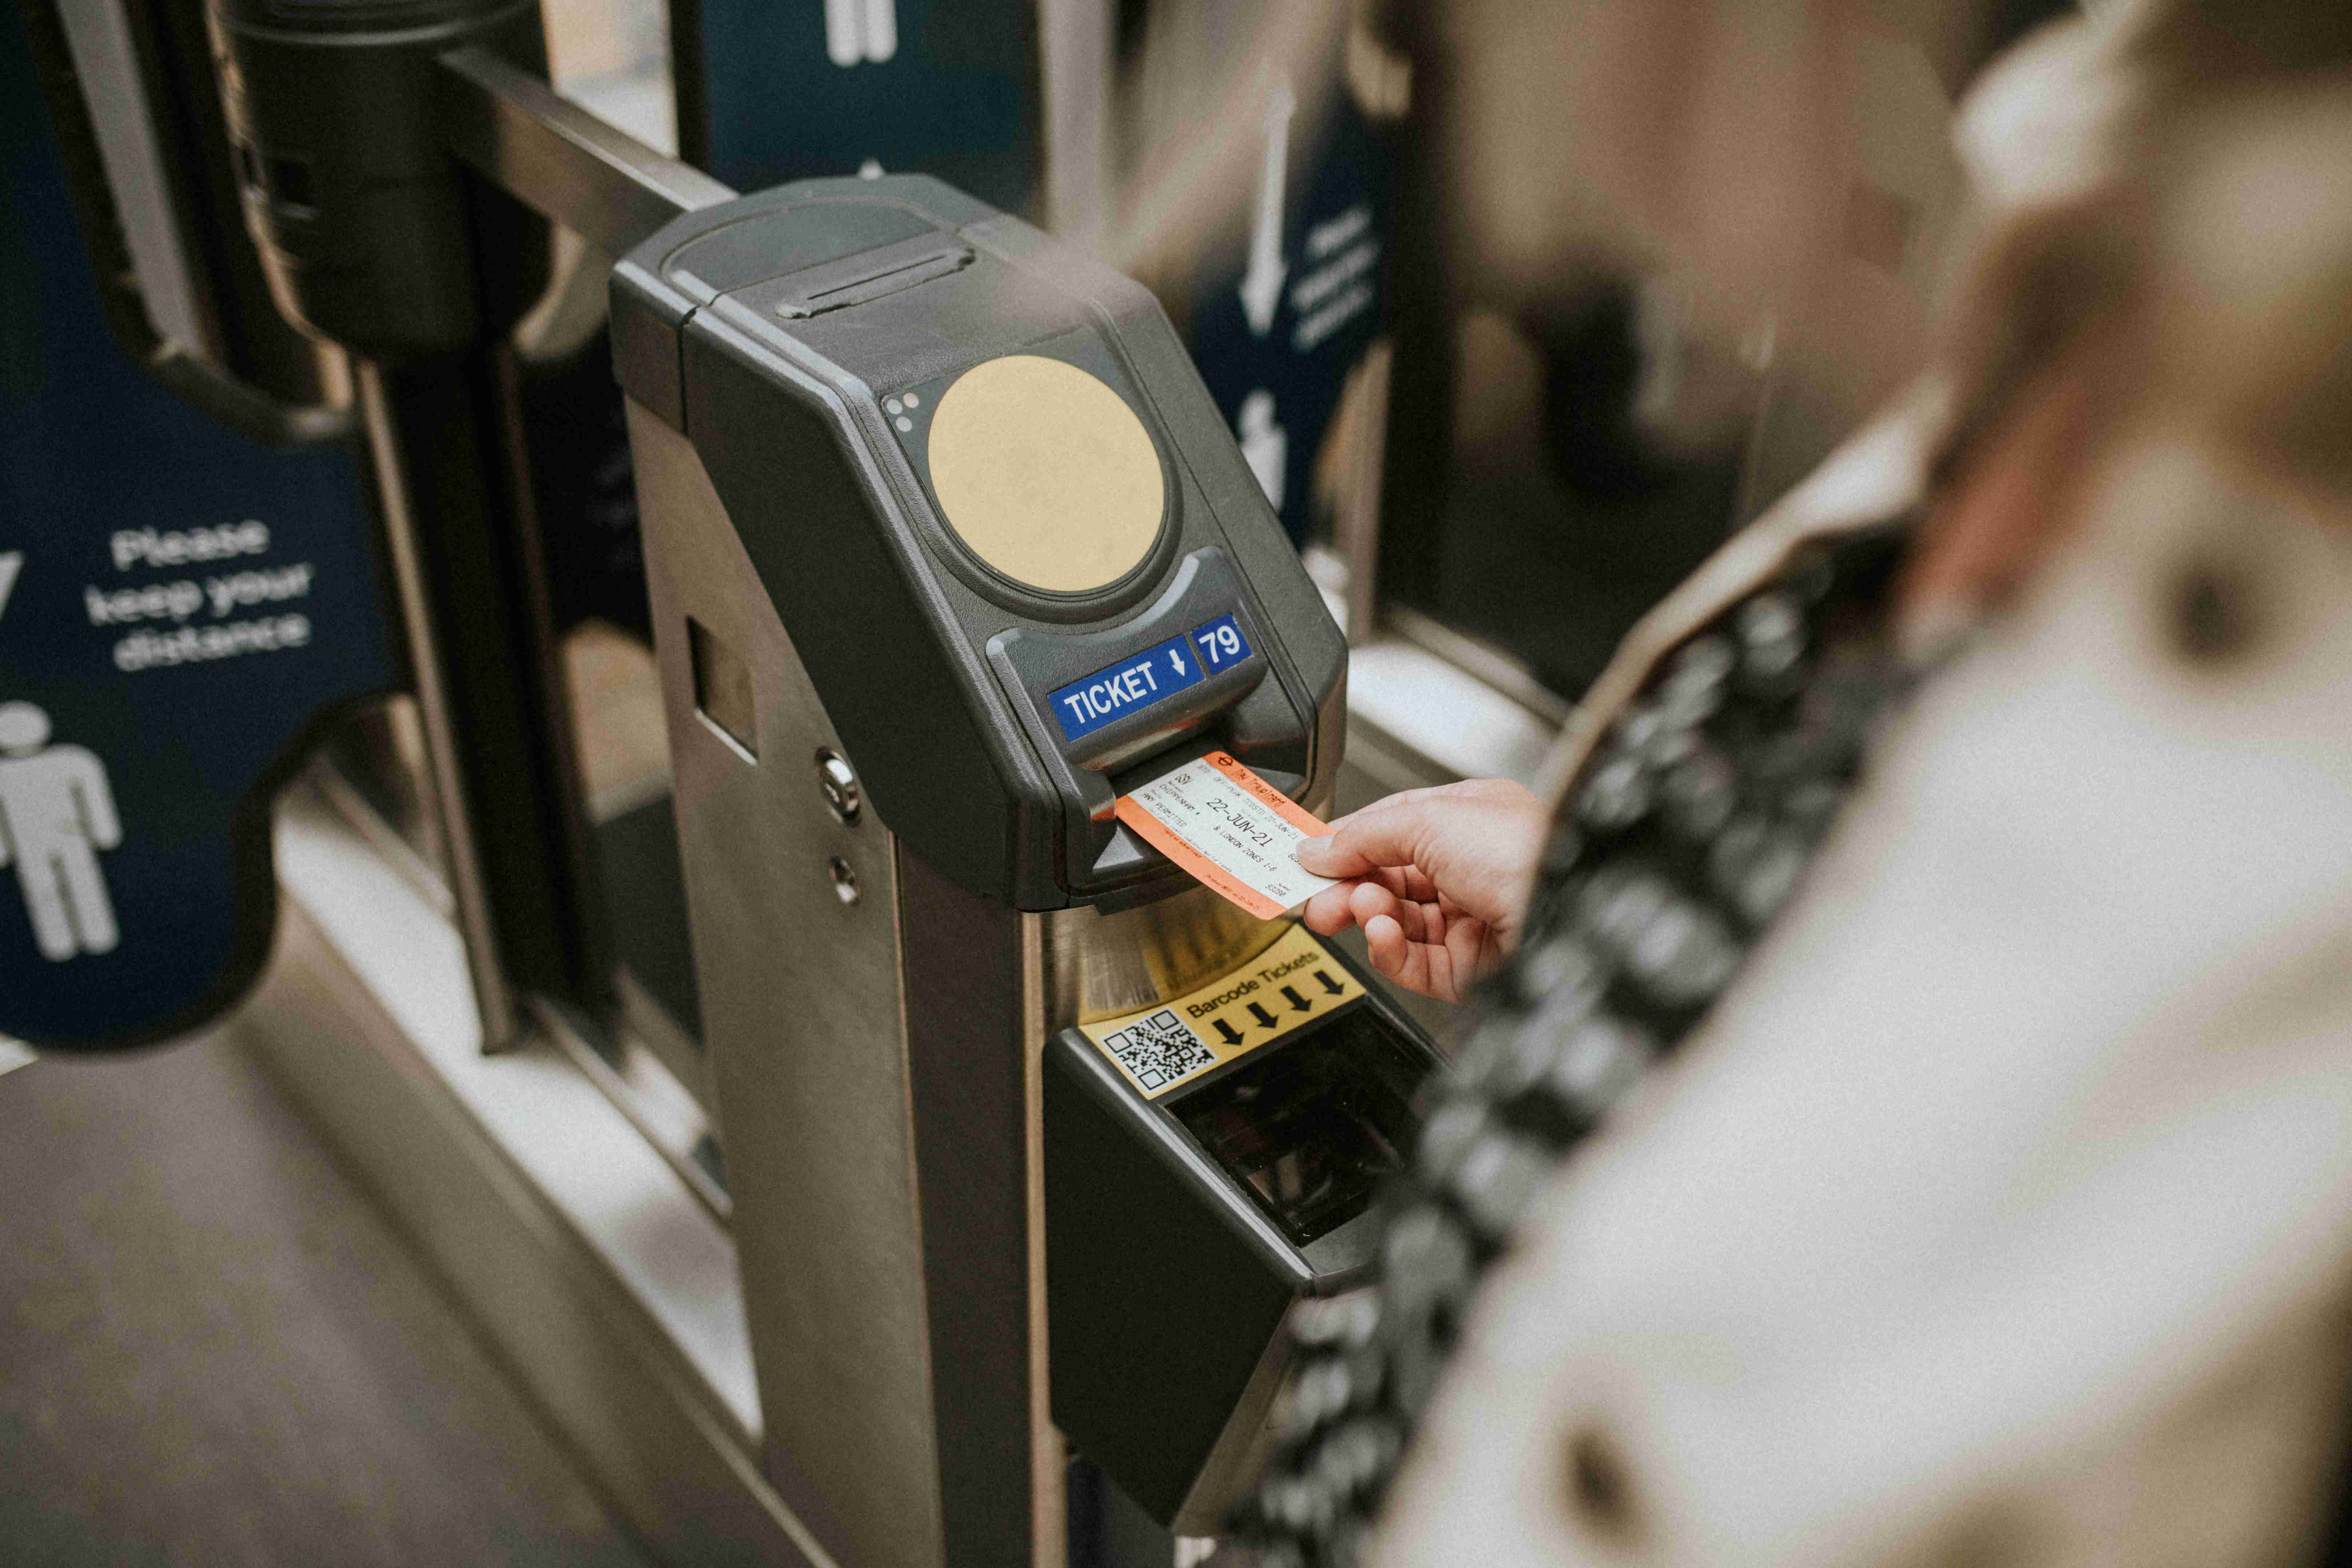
x,y
1196,748
1124,849
1196,671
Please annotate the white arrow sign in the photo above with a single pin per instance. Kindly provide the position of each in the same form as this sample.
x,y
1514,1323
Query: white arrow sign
x,y
10,563
1262,284
1265,445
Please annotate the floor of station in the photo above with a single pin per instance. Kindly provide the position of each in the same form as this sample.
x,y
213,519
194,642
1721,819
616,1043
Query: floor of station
x,y
214,1349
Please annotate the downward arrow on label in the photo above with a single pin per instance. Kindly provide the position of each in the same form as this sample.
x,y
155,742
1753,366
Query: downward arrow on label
x,y
1262,284
1298,1004
10,563
1265,1018
1329,985
1232,1035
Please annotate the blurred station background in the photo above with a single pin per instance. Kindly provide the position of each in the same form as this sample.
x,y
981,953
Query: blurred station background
x,y
1514,314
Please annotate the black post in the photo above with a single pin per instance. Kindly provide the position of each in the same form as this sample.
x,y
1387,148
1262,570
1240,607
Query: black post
x,y
451,426
376,238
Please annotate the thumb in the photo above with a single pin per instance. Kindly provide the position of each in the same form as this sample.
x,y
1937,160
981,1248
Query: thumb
x,y
1373,838
1321,855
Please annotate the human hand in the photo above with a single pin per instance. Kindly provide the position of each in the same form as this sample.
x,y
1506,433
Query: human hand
x,y
1437,878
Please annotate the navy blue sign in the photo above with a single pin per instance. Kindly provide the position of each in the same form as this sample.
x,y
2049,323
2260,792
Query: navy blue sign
x,y
178,607
1279,319
948,88
1153,676
1221,642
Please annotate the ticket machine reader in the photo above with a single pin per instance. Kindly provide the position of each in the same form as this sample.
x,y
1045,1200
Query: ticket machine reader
x,y
948,547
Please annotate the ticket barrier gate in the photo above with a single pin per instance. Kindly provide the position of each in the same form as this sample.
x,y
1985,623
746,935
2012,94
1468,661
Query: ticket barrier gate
x,y
944,539
1026,1136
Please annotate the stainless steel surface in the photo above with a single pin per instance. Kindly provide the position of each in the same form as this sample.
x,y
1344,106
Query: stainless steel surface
x,y
638,1067
643,1089
839,781
805,1023
107,61
1413,703
493,1003
558,159
645,1020
968,968
1049,1454
1488,666
1103,965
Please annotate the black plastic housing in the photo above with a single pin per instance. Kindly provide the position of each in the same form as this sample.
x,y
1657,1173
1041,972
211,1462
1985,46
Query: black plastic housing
x,y
245,364
371,235
770,330
1167,1277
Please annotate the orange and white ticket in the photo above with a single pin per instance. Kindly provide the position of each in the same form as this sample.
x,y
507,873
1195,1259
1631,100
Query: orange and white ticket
x,y
1231,829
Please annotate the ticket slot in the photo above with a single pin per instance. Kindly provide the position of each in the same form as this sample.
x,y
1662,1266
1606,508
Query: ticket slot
x,y
857,279
1123,854
1310,1129
1231,697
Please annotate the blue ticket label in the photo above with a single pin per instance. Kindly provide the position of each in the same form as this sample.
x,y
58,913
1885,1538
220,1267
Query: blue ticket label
x,y
1221,642
1136,682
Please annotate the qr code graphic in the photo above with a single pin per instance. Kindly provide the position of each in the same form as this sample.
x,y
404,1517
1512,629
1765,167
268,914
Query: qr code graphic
x,y
1160,1050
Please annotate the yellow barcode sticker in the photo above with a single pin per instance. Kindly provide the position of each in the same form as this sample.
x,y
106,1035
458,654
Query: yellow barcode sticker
x,y
1282,990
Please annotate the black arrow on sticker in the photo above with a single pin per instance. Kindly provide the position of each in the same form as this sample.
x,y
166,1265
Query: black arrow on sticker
x,y
1333,987
1233,1036
1260,1015
1298,1004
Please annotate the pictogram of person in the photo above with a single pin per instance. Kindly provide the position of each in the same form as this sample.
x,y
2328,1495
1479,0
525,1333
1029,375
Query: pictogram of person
x,y
56,812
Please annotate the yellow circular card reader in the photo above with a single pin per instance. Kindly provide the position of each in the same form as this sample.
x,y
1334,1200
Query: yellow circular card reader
x,y
1045,474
